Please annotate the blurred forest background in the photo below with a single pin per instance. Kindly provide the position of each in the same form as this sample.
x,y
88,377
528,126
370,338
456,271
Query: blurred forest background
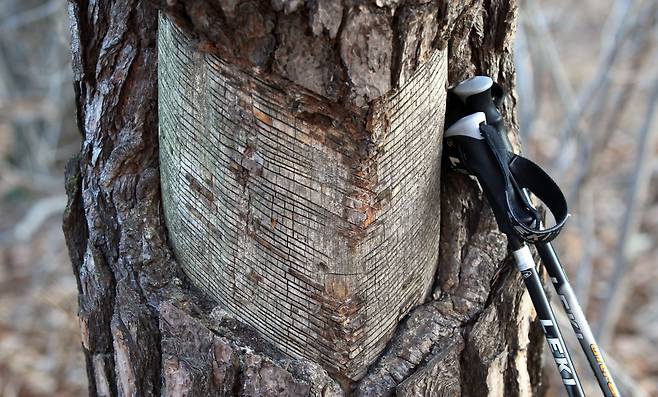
x,y
587,75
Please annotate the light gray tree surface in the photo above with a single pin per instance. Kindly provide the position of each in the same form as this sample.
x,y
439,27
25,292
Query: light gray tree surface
x,y
258,206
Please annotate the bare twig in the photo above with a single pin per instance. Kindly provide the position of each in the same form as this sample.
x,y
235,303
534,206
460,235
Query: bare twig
x,y
537,23
524,83
13,177
32,15
37,215
617,292
542,46
607,123
620,23
586,223
629,386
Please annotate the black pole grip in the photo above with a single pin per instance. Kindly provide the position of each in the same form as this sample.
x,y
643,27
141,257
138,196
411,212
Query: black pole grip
x,y
482,94
484,151
480,157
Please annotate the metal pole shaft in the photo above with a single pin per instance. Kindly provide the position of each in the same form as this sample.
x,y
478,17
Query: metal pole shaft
x,y
577,319
558,347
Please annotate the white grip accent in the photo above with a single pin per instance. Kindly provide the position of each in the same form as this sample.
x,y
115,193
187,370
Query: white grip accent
x,y
467,126
474,85
524,260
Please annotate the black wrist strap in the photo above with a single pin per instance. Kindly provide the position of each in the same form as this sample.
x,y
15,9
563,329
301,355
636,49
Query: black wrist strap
x,y
521,173
530,176
505,179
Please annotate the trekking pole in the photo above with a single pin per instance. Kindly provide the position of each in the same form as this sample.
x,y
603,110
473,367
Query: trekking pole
x,y
475,147
577,319
480,94
557,345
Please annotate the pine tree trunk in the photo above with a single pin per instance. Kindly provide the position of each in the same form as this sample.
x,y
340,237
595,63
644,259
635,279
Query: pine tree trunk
x,y
258,206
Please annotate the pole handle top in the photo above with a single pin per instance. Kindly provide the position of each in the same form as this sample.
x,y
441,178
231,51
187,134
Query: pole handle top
x,y
472,86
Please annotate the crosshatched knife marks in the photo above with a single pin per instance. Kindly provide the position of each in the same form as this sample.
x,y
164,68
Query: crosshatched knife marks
x,y
263,201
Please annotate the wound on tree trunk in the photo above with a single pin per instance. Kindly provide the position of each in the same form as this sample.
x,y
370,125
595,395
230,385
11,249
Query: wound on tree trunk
x,y
320,233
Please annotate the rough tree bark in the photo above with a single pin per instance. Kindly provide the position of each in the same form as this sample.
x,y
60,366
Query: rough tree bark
x,y
339,69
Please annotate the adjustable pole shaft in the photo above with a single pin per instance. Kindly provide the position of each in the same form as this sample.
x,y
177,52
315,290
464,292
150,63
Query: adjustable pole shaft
x,y
577,319
558,347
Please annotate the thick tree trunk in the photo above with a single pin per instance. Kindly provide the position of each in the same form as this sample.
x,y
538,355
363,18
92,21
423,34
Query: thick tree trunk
x,y
350,97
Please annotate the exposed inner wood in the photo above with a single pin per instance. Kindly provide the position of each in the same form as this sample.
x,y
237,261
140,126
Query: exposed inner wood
x,y
320,235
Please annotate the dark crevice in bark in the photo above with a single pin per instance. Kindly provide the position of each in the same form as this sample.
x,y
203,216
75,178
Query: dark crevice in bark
x,y
345,85
157,365
417,52
471,379
75,230
237,383
73,221
267,66
88,45
79,91
397,50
